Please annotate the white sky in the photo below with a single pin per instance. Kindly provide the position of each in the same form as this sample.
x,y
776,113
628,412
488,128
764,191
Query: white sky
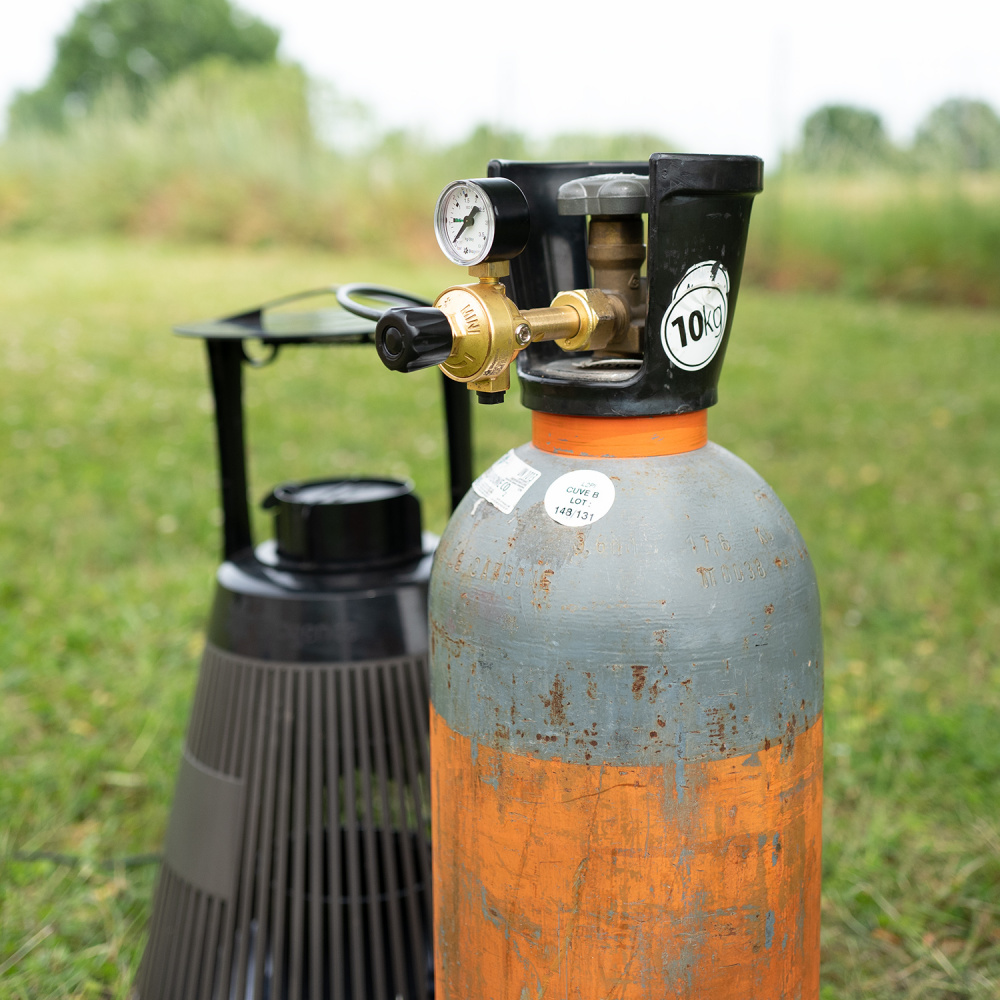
x,y
723,76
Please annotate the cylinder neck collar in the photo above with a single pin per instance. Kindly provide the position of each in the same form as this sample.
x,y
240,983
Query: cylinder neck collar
x,y
619,437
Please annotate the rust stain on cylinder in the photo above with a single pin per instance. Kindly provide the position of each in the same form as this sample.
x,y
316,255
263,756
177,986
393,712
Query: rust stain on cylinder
x,y
638,681
554,703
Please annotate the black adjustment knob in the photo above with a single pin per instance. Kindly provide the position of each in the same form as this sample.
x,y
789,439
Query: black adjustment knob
x,y
413,337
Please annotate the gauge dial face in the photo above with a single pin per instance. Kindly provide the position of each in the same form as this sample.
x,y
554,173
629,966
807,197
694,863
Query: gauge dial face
x,y
465,223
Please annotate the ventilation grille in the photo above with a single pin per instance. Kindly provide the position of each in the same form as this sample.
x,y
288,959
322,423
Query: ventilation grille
x,y
298,858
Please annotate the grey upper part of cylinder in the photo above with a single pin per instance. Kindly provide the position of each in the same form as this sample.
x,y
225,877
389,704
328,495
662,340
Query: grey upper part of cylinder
x,y
604,194
683,624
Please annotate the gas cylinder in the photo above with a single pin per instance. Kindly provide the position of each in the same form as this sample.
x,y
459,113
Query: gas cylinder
x,y
297,862
626,657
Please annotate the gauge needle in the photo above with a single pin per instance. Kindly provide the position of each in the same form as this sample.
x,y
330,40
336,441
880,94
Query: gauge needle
x,y
466,222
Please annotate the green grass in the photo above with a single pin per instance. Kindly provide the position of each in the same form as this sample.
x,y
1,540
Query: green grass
x,y
877,423
918,237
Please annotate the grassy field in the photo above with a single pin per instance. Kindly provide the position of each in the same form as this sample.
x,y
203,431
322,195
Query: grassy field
x,y
916,237
877,423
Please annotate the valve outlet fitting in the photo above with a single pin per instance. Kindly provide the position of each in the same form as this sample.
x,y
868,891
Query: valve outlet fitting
x,y
602,316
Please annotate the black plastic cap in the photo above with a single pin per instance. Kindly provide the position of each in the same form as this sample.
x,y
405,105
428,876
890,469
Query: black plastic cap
x,y
489,397
346,524
409,338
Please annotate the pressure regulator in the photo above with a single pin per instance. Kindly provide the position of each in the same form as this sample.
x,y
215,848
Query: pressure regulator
x,y
474,332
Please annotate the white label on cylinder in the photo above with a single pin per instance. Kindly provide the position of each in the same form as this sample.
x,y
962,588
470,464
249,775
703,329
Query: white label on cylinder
x,y
505,482
579,497
693,325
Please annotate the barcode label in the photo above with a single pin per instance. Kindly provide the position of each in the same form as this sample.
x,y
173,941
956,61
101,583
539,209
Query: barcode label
x,y
505,482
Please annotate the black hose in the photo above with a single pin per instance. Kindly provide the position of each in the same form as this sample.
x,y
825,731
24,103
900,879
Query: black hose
x,y
380,293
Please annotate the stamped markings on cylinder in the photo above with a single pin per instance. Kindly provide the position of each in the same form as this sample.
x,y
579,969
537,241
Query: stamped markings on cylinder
x,y
736,570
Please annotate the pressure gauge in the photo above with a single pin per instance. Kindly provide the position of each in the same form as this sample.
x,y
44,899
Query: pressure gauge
x,y
481,220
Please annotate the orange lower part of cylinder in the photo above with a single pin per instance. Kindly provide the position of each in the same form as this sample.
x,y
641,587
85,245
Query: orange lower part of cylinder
x,y
583,882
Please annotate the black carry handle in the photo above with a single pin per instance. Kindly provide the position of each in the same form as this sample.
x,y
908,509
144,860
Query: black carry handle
x,y
225,342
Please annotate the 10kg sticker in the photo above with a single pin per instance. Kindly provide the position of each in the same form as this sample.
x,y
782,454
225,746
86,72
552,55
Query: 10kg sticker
x,y
579,497
692,328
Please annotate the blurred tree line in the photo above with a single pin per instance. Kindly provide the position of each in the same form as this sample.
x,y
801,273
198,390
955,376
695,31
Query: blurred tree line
x,y
138,44
176,119
960,134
